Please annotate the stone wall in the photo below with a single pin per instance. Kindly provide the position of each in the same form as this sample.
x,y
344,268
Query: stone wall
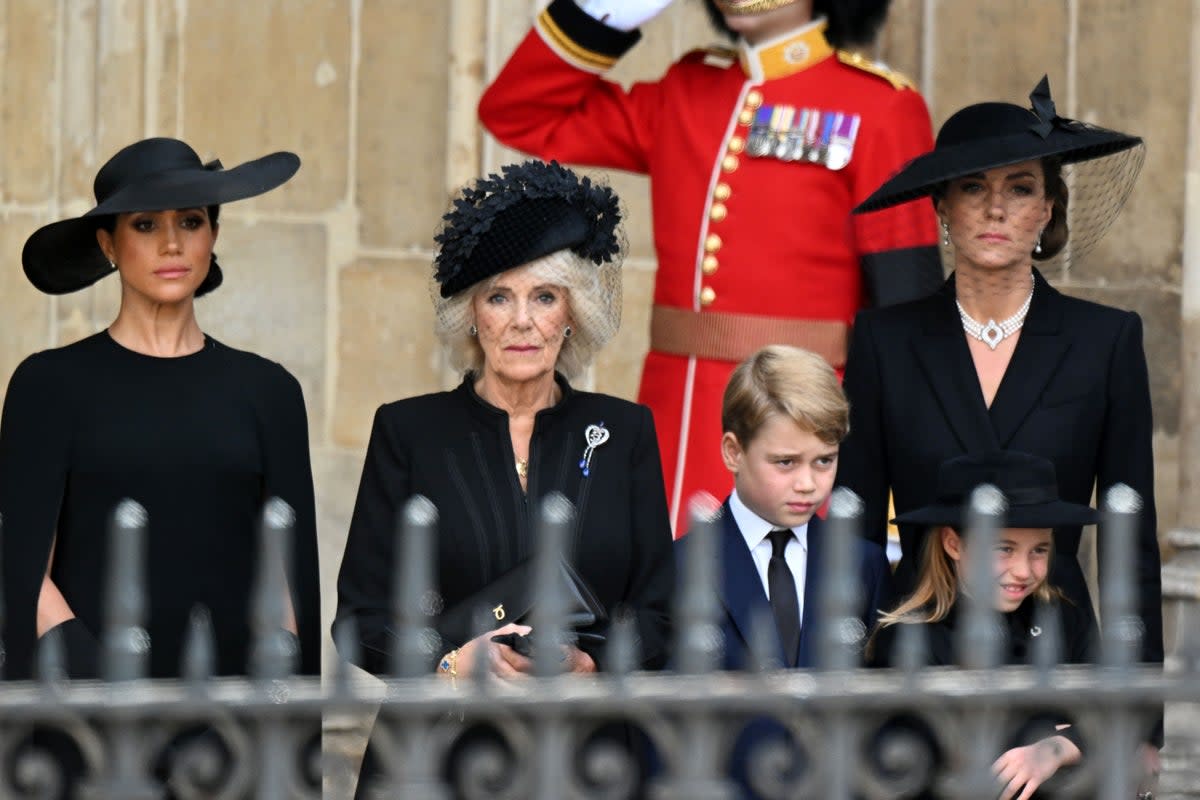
x,y
329,275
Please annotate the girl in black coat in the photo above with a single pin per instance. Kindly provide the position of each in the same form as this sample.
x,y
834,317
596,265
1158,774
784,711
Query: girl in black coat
x,y
1021,594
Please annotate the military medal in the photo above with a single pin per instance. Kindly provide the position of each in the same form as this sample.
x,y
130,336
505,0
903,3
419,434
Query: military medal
x,y
781,127
803,134
758,143
841,146
796,136
811,136
822,147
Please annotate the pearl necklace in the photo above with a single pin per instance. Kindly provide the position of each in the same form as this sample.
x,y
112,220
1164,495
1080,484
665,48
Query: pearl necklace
x,y
992,333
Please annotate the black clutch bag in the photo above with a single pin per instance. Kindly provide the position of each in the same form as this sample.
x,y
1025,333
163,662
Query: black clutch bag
x,y
510,598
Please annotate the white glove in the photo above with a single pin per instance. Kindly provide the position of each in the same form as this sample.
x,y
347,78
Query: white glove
x,y
624,15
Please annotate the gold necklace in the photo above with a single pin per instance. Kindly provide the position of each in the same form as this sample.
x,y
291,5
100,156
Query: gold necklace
x,y
523,468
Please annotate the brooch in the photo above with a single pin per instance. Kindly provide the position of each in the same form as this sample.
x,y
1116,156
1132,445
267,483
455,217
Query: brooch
x,y
594,435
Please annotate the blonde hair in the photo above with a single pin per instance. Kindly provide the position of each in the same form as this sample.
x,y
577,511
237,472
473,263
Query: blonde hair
x,y
796,383
593,293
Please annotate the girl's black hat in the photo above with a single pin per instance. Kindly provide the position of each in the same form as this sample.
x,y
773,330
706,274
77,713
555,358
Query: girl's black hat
x,y
1028,482
151,175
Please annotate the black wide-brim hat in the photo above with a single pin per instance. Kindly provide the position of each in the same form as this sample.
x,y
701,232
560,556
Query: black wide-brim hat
x,y
988,135
1029,485
151,175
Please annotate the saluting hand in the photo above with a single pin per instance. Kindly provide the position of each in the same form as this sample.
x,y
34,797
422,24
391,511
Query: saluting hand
x,y
624,15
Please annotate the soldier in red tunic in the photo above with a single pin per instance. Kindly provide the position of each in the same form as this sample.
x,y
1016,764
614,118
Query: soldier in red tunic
x,y
756,156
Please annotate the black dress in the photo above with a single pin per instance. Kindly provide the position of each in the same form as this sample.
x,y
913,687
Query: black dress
x,y
455,449
200,441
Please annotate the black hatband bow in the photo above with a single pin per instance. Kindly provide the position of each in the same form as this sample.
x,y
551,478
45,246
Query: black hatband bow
x,y
1043,106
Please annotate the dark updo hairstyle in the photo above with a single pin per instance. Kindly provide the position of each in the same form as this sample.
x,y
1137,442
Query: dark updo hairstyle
x,y
851,22
214,277
1056,233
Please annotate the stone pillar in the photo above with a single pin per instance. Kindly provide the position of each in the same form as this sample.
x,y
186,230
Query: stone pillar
x,y
1189,423
465,81
1181,596
1181,576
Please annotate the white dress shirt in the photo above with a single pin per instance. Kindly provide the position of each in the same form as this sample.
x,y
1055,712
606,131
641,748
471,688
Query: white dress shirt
x,y
755,529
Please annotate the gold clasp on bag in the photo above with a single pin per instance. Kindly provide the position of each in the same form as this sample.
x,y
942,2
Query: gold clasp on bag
x,y
498,612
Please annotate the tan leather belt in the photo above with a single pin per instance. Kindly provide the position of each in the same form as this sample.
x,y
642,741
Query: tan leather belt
x,y
725,336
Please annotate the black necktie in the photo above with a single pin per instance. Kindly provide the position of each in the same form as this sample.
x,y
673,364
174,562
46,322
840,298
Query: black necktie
x,y
781,585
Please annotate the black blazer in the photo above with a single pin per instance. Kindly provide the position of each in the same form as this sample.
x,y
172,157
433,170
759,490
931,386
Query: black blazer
x,y
744,601
1076,392
455,449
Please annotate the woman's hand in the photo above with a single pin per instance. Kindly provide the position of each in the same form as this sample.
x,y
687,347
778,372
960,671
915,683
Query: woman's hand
x,y
1033,765
577,661
482,653
508,663
1151,765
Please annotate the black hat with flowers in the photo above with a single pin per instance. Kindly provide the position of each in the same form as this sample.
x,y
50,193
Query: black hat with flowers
x,y
525,212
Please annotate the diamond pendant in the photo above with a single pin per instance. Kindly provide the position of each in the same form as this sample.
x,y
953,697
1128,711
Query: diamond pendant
x,y
991,335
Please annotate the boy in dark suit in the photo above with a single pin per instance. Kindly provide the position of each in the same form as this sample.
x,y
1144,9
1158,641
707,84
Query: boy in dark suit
x,y
784,415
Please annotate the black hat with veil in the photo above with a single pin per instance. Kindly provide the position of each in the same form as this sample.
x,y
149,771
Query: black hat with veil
x,y
1100,165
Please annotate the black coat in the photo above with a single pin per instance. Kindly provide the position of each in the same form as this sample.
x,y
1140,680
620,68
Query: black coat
x,y
455,449
1020,631
1076,392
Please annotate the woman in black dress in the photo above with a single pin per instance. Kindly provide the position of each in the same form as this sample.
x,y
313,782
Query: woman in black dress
x,y
1022,595
528,290
155,410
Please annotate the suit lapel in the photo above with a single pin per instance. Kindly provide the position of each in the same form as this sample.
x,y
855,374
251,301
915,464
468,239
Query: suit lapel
x,y
946,362
806,655
1034,362
742,590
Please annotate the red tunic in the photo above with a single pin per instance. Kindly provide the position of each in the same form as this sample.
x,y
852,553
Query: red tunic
x,y
732,232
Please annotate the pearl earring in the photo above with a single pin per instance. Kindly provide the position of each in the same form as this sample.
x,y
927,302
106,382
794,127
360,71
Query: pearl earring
x,y
945,234
1037,248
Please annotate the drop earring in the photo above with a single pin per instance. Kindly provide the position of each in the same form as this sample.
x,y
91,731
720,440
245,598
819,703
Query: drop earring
x,y
1037,248
945,234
